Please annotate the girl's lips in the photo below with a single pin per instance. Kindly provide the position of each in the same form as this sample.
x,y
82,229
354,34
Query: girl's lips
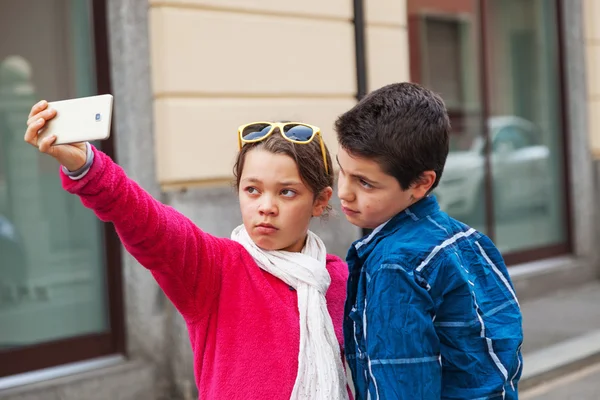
x,y
265,229
348,211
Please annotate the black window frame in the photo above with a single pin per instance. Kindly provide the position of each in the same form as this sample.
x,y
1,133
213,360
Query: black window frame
x,y
84,347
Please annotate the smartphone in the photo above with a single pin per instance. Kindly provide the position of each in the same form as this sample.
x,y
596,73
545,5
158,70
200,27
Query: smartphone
x,y
84,119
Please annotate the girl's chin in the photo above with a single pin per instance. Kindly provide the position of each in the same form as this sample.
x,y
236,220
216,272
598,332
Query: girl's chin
x,y
266,244
272,245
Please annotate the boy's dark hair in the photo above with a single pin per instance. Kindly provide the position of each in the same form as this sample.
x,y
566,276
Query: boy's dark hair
x,y
308,158
403,127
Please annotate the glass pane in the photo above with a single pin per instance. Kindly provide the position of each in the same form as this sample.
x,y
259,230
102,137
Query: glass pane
x,y
52,275
444,57
525,124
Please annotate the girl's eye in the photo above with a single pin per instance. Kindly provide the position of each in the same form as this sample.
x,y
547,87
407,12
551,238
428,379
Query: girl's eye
x,y
365,184
251,190
288,193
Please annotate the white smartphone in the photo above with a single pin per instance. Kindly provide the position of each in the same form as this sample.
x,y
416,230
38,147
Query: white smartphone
x,y
83,119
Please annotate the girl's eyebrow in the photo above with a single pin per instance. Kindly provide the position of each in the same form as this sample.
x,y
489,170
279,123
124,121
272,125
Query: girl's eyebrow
x,y
290,183
252,179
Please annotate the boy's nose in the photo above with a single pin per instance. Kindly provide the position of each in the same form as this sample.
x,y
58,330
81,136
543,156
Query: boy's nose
x,y
344,192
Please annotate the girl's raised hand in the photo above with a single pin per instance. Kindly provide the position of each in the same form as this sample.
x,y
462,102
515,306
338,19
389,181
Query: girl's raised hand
x,y
72,156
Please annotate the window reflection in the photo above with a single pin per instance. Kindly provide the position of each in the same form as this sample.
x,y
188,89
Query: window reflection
x,y
524,121
52,275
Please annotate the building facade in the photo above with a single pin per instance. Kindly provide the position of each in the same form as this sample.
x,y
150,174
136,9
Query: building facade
x,y
79,318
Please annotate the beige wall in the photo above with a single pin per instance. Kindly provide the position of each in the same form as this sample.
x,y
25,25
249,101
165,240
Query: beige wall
x,y
386,42
217,64
592,39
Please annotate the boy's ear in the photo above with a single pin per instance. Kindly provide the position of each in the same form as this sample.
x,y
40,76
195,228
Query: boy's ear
x,y
422,186
321,202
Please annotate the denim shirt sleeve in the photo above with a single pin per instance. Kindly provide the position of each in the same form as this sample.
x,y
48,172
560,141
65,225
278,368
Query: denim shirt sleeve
x,y
402,345
477,323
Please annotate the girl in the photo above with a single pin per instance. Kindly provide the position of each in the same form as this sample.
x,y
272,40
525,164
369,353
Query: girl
x,y
263,309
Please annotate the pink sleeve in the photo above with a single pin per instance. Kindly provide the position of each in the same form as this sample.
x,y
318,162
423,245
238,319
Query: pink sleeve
x,y
185,261
336,294
336,297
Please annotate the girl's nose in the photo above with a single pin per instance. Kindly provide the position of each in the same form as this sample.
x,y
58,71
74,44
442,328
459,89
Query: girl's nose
x,y
267,206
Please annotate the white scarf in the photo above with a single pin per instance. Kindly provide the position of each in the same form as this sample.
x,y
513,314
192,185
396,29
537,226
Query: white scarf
x,y
320,371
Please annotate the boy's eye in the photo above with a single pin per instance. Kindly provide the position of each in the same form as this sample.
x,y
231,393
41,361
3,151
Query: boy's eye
x,y
365,184
288,193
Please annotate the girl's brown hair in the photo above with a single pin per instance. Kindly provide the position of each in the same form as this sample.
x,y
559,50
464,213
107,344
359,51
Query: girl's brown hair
x,y
308,158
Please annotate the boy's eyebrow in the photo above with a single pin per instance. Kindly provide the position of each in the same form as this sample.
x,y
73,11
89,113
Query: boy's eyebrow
x,y
362,177
338,162
359,176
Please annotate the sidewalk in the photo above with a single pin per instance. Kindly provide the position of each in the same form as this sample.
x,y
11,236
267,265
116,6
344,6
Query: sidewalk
x,y
561,316
562,334
581,385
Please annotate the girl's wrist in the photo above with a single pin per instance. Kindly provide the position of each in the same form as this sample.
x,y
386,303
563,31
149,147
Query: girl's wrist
x,y
78,170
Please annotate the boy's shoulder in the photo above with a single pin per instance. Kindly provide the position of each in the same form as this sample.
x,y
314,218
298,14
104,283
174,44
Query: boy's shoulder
x,y
421,241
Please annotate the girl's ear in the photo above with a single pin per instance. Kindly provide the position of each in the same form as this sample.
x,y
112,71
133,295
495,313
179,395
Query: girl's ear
x,y
321,202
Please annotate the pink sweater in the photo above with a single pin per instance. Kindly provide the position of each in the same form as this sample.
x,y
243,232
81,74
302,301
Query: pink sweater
x,y
242,321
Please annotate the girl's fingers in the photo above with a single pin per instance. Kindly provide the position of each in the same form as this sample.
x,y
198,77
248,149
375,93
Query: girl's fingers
x,y
45,145
34,118
46,114
40,106
31,133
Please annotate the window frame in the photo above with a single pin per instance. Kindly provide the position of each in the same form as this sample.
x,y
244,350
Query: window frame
x,y
84,347
548,251
480,22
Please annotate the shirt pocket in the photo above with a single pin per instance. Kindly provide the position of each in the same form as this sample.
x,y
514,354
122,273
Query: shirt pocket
x,y
356,316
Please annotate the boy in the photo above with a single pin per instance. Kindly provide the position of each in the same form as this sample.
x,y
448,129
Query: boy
x,y
431,312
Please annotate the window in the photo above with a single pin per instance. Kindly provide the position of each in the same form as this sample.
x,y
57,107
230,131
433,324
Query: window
x,y
496,64
59,272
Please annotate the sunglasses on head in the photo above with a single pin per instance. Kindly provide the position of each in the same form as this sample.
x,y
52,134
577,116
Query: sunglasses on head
x,y
295,132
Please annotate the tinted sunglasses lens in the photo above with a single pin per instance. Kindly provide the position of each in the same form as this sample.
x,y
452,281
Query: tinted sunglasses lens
x,y
299,133
255,131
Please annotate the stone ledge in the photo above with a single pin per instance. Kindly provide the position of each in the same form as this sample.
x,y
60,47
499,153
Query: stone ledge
x,y
129,380
560,359
540,278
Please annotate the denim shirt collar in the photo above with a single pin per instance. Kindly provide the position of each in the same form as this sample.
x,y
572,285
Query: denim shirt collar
x,y
421,209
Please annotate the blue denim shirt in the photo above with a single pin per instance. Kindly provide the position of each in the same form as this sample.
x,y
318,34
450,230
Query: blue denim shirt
x,y
431,312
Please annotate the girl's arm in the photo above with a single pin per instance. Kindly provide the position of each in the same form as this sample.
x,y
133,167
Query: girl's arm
x,y
185,261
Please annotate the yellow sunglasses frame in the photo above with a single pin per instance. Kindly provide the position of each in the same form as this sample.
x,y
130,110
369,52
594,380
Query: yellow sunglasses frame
x,y
280,125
